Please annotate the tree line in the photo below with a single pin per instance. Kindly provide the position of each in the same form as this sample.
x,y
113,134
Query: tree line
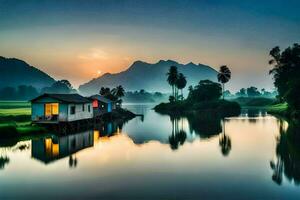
x,y
25,92
251,92
286,75
205,90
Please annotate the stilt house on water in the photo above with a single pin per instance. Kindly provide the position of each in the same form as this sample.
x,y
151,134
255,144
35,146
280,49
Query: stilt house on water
x,y
56,108
102,105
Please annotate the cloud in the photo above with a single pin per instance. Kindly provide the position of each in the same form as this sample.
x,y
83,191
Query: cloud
x,y
94,54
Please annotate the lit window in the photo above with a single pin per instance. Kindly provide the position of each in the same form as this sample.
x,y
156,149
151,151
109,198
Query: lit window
x,y
51,109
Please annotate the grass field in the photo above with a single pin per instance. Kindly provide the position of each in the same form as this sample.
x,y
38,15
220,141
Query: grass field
x,y
14,111
14,104
15,119
14,108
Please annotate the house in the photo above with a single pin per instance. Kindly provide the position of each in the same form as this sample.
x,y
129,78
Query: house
x,y
56,108
102,105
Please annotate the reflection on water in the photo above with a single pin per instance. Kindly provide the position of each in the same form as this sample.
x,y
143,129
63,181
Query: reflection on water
x,y
4,160
53,148
287,160
162,157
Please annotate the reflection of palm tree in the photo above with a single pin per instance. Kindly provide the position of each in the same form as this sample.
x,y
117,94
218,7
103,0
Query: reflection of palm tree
x,y
4,160
173,142
225,142
177,137
181,136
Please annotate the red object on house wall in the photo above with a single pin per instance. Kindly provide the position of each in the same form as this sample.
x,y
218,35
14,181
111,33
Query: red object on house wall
x,y
95,104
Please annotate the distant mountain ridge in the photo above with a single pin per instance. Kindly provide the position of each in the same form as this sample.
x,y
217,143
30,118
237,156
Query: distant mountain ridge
x,y
15,72
150,77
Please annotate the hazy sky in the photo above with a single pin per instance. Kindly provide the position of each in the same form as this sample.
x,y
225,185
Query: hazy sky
x,y
80,40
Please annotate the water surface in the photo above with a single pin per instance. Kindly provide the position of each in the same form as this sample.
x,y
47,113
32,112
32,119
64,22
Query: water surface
x,y
158,157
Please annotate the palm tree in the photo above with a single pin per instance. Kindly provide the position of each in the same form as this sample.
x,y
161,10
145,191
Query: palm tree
x,y
181,83
224,76
118,91
172,78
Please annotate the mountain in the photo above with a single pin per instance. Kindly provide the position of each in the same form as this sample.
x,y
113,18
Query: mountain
x,y
150,77
16,72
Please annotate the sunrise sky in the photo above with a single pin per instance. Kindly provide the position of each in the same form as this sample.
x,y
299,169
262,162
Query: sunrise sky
x,y
80,40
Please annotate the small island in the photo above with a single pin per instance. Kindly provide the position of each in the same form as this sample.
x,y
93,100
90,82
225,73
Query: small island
x,y
202,98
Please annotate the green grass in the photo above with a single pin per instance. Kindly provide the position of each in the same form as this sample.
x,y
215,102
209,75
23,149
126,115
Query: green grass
x,y
280,109
14,104
15,119
15,111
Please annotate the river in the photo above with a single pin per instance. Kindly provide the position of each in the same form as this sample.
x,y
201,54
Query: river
x,y
158,157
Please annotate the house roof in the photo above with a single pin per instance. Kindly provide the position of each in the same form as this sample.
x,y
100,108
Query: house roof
x,y
101,98
68,98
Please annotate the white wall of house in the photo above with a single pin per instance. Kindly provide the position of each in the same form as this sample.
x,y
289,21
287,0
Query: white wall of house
x,y
63,113
79,112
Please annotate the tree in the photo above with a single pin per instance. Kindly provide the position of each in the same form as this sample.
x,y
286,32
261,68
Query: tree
x,y
227,93
253,92
181,83
119,91
61,86
105,91
25,92
206,90
171,99
286,74
172,77
224,76
241,93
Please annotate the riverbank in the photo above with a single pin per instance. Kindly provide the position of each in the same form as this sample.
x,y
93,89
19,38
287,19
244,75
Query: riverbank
x,y
15,119
271,105
254,101
222,108
278,109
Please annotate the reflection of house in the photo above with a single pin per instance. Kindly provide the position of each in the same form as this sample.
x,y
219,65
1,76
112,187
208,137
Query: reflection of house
x,y
102,105
107,130
56,108
54,148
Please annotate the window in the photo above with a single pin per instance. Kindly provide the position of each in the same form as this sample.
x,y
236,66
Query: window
x,y
72,111
89,108
83,107
51,109
95,104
